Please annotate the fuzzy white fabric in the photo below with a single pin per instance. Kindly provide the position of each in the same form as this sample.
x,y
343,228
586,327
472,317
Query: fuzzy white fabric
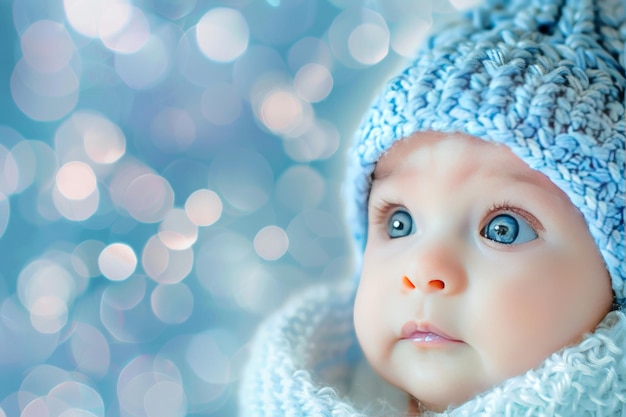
x,y
306,362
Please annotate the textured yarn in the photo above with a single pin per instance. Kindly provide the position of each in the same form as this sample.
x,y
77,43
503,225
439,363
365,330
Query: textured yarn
x,y
304,357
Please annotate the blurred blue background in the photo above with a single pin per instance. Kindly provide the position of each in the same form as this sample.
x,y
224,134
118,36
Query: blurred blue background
x,y
170,173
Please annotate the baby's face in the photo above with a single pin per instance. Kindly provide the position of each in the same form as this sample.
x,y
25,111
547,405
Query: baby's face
x,y
476,269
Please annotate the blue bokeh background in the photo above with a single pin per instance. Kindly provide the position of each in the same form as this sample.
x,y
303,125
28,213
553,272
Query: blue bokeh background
x,y
170,173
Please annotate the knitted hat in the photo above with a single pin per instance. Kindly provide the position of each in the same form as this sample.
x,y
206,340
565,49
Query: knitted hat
x,y
545,78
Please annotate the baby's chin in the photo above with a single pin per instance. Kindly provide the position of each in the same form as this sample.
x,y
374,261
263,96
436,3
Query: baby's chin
x,y
440,399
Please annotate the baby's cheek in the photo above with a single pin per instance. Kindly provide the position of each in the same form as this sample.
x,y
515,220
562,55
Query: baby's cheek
x,y
372,321
517,329
365,322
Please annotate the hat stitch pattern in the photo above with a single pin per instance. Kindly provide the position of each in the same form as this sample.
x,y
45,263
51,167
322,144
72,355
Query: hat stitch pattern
x,y
545,79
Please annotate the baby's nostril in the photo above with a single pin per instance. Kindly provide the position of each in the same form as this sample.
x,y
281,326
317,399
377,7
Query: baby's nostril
x,y
437,283
407,282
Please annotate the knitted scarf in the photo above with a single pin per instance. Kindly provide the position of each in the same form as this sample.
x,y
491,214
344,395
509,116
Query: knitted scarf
x,y
304,357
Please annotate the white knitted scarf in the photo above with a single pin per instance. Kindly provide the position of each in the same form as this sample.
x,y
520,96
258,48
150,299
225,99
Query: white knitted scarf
x,y
303,360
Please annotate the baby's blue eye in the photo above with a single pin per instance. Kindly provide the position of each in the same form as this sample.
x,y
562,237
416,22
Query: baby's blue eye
x,y
509,229
400,224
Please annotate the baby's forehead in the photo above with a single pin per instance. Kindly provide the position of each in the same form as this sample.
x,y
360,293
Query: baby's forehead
x,y
426,153
424,148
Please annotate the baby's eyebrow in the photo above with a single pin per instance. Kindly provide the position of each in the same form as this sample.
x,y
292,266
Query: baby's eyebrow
x,y
534,178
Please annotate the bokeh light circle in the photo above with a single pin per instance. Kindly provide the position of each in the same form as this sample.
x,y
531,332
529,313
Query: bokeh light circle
x,y
309,50
76,180
271,243
73,209
123,28
320,141
90,350
38,407
207,359
142,380
75,399
359,37
46,46
165,399
126,313
89,136
45,278
126,295
48,314
85,15
172,303
103,140
85,258
222,34
204,207
258,69
155,257
44,96
148,198
145,67
16,331
176,231
283,112
117,261
41,379
369,43
313,82
164,265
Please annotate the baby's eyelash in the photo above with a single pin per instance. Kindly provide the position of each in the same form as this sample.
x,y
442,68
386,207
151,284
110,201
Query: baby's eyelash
x,y
507,206
381,210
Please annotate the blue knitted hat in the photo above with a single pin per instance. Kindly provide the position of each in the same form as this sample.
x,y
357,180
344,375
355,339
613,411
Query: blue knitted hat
x,y
545,78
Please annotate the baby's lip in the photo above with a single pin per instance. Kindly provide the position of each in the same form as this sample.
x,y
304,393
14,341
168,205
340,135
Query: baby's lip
x,y
417,330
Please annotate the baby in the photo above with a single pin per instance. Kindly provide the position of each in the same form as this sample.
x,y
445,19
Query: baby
x,y
476,269
485,194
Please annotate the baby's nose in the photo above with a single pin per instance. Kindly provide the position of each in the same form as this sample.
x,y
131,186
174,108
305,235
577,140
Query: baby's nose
x,y
436,270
